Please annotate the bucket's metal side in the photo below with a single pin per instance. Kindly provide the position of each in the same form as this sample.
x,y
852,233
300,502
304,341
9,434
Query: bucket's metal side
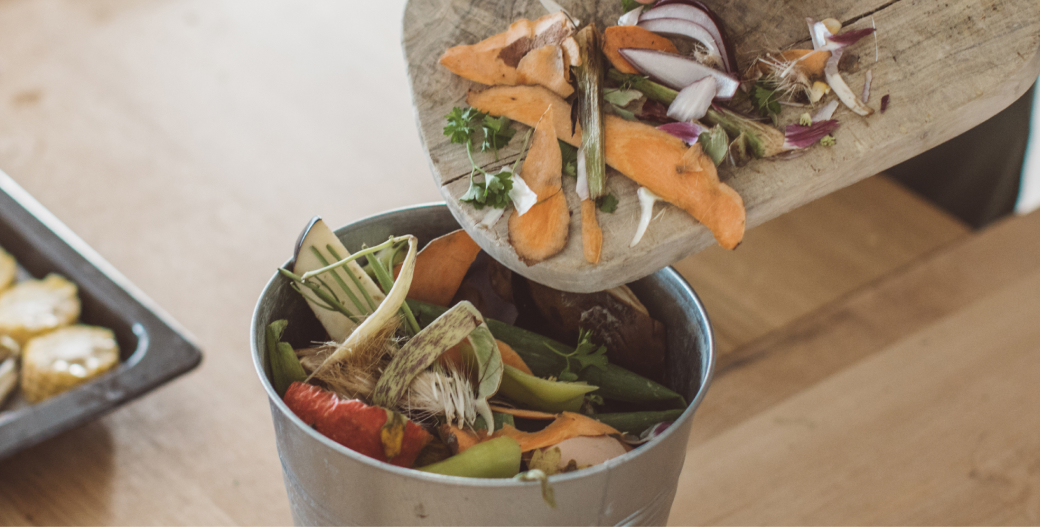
x,y
329,484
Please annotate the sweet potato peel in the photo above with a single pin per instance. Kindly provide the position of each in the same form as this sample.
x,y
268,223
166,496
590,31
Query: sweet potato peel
x,y
524,414
441,266
618,37
683,176
511,358
566,426
542,232
545,66
591,234
494,60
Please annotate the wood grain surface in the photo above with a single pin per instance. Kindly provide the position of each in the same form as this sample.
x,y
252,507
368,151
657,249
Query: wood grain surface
x,y
877,365
947,65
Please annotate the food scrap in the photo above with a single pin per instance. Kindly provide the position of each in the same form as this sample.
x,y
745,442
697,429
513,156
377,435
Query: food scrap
x,y
660,98
459,393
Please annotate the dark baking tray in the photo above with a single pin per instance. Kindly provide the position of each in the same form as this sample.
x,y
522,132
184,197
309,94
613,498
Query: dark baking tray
x,y
154,349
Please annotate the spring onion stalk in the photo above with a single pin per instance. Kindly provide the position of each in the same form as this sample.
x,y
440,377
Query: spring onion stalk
x,y
651,89
590,115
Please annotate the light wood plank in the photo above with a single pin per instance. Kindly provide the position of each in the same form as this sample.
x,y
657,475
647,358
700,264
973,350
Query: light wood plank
x,y
950,434
779,365
794,264
948,66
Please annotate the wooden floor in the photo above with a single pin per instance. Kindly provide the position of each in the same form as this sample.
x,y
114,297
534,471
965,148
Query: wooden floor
x,y
877,361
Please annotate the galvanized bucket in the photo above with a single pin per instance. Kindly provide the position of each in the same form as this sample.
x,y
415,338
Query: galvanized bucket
x,y
329,484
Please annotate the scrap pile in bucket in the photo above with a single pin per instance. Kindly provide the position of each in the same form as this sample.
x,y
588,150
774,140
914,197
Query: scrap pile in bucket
x,y
415,374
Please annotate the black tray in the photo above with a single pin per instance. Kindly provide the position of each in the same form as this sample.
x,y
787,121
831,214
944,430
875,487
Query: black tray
x,y
153,348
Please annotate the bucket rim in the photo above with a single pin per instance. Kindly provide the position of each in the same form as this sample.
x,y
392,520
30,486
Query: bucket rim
x,y
668,273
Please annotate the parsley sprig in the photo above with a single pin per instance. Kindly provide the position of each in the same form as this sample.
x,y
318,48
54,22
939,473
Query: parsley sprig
x,y
495,132
586,355
766,99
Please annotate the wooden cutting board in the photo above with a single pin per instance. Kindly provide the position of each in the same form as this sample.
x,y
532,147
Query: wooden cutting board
x,y
947,65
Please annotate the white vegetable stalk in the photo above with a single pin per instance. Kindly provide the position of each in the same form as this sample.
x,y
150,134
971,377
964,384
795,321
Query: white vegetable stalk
x,y
523,197
842,90
646,211
583,178
693,101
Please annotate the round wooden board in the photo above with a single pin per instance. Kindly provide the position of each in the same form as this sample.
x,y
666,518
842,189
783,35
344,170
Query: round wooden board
x,y
944,76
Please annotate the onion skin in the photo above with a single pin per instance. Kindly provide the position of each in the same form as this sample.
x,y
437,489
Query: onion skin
x,y
685,28
727,43
664,67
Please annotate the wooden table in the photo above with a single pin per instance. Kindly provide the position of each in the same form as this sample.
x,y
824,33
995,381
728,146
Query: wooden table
x,y
878,361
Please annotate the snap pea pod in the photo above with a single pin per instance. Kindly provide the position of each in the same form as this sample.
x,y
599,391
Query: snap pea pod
x,y
636,422
497,458
615,383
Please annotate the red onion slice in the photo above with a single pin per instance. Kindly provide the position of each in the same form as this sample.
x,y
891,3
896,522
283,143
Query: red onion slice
x,y
685,28
724,41
695,15
688,132
678,72
884,103
693,101
798,136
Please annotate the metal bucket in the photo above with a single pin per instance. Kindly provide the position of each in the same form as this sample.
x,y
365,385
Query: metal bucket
x,y
329,484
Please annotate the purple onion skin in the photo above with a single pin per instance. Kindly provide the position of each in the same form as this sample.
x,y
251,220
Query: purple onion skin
x,y
731,53
798,136
686,131
849,38
884,103
654,111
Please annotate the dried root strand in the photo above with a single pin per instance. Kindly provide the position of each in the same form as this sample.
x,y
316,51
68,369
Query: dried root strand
x,y
441,391
355,375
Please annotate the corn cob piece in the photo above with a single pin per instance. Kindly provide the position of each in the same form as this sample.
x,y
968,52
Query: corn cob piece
x,y
66,358
8,348
7,269
8,377
35,307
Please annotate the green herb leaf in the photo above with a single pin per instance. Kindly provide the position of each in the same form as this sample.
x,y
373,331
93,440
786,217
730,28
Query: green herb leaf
x,y
828,140
460,128
607,203
492,192
765,99
586,354
497,133
621,98
715,143
570,159
628,5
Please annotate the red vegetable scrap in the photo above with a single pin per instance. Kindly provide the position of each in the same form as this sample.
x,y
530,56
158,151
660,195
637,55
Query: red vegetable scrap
x,y
370,430
884,103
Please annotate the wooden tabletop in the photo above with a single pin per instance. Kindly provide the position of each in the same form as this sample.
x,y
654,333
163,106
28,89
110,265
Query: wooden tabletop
x,y
878,361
